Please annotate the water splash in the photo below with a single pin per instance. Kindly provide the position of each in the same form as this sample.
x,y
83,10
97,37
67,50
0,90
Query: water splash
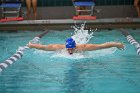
x,y
82,36
84,54
35,40
64,54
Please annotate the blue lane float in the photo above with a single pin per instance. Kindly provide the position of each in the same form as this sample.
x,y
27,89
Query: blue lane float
x,y
131,40
18,55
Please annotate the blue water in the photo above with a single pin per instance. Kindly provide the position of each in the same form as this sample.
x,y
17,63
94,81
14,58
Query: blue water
x,y
42,72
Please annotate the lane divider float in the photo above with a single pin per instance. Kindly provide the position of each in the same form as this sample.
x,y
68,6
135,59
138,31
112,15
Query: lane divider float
x,y
18,55
131,40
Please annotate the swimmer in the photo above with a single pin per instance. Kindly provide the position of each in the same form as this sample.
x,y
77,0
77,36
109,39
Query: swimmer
x,y
71,46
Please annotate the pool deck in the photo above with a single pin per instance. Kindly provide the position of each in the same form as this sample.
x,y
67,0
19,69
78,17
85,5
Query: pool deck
x,y
63,24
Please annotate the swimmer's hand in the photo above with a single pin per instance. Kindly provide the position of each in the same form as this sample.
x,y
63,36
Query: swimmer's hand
x,y
120,46
30,45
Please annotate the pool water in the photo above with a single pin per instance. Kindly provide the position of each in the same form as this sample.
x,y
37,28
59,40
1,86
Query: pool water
x,y
103,71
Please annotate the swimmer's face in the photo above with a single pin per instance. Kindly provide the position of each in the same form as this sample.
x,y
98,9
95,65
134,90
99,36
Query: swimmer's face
x,y
70,50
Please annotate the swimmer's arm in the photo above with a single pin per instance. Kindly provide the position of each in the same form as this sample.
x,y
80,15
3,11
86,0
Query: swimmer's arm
x,y
90,47
50,47
37,46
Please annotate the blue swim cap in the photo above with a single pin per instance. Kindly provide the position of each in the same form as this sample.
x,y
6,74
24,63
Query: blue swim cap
x,y
70,43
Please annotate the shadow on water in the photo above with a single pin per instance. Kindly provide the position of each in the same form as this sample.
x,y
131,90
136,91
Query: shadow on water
x,y
74,81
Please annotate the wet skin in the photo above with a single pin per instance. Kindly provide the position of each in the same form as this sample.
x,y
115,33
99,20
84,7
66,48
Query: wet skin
x,y
70,50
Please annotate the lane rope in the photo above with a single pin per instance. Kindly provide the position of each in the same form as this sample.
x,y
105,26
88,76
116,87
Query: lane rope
x,y
131,40
19,53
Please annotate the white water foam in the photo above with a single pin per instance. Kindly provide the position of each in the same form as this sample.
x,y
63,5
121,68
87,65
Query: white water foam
x,y
63,53
82,36
87,54
102,52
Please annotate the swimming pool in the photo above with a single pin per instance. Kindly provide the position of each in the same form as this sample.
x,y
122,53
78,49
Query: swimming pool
x,y
103,71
